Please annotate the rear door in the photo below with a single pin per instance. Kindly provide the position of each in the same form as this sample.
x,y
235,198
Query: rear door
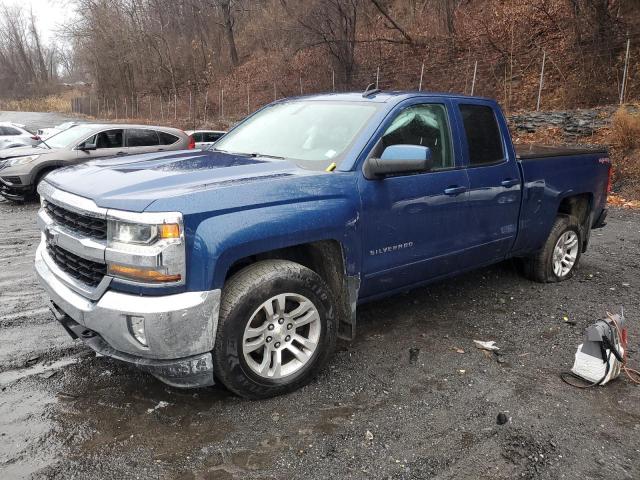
x,y
142,140
494,182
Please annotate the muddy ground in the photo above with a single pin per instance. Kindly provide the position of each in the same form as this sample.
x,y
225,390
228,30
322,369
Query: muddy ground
x,y
66,414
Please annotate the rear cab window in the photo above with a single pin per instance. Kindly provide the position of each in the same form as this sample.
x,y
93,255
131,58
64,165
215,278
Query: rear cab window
x,y
483,135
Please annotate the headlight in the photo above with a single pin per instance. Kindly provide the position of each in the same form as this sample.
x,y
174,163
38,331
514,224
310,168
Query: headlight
x,y
143,250
12,162
131,232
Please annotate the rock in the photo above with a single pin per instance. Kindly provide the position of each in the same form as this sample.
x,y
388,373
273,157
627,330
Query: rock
x,y
502,418
368,435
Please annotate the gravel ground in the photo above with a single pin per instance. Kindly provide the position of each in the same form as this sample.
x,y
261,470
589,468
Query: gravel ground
x,y
410,398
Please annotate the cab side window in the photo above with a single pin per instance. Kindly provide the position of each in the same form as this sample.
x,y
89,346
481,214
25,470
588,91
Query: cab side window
x,y
483,135
426,125
197,136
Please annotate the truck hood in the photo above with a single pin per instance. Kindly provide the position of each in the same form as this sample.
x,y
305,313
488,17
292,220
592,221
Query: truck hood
x,y
133,183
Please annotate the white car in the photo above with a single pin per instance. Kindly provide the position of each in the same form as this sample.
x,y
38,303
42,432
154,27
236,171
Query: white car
x,y
204,138
45,133
16,135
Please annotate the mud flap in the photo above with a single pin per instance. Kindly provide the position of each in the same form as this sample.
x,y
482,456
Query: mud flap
x,y
347,325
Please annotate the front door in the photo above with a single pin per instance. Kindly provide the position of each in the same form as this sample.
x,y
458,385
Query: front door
x,y
414,225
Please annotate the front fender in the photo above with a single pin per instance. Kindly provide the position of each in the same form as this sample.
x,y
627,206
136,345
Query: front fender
x,y
222,240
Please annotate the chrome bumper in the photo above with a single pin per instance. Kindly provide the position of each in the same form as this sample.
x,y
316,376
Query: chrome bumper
x,y
180,329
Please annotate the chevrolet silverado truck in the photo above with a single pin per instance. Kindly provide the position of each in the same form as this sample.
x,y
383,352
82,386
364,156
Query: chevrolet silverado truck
x,y
244,263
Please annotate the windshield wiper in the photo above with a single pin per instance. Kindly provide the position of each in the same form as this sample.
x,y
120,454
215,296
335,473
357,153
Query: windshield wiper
x,y
253,154
256,154
47,145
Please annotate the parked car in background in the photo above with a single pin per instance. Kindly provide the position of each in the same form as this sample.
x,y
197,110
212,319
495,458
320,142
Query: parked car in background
x,y
45,133
16,135
241,264
21,169
205,138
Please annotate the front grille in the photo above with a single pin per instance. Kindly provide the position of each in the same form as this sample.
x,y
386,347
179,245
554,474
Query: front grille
x,y
84,224
12,180
87,271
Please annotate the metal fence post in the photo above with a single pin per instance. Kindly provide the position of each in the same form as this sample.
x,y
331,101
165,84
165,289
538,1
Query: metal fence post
x,y
377,76
421,75
175,105
473,82
333,79
206,100
544,57
161,108
300,84
248,108
624,75
222,103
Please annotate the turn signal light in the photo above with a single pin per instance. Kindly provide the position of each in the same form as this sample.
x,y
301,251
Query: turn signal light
x,y
146,275
169,230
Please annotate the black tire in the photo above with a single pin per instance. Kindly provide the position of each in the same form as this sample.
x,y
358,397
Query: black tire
x,y
241,297
539,268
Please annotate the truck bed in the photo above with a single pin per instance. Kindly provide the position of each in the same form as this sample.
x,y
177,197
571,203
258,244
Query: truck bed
x,y
532,151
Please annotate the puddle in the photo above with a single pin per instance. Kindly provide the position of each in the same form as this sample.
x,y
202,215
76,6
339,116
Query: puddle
x,y
11,376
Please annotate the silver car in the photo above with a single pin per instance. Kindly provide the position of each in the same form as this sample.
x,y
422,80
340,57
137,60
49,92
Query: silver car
x,y
205,138
16,135
22,168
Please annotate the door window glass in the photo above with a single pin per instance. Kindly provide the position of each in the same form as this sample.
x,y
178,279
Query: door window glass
x,y
9,131
210,136
139,137
425,125
483,134
109,139
167,138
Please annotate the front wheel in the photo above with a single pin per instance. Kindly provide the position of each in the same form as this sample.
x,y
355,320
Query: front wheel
x,y
560,255
276,329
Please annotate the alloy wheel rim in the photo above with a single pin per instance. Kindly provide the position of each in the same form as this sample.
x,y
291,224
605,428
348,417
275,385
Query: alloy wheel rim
x,y
281,336
565,253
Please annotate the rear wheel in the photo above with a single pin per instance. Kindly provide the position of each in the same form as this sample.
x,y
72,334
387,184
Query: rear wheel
x,y
276,329
560,255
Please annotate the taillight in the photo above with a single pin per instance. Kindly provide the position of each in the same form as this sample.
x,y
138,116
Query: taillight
x,y
609,180
192,143
35,137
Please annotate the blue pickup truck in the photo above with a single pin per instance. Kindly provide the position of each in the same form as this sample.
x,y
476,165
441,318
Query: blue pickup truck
x,y
243,264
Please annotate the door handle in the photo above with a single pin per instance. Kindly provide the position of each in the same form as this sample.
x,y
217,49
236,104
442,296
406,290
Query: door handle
x,y
455,190
510,182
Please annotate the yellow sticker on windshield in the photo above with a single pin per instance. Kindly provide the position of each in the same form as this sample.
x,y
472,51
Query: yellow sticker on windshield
x,y
331,167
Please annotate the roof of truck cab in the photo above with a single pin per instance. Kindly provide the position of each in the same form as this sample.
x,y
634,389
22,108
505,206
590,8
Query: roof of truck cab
x,y
381,96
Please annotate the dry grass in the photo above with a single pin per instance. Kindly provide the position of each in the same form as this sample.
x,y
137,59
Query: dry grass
x,y
625,130
51,103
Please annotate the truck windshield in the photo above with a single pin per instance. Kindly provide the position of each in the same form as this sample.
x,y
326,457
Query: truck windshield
x,y
313,134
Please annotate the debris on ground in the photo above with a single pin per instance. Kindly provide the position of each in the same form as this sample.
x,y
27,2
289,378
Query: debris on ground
x,y
502,418
161,404
413,354
368,435
490,345
458,350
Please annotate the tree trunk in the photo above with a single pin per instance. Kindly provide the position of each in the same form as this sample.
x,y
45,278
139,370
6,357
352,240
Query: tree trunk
x,y
228,30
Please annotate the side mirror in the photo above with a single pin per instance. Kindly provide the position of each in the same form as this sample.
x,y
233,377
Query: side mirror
x,y
85,147
398,159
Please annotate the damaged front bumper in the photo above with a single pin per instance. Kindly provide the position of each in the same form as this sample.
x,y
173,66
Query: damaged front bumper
x,y
180,329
